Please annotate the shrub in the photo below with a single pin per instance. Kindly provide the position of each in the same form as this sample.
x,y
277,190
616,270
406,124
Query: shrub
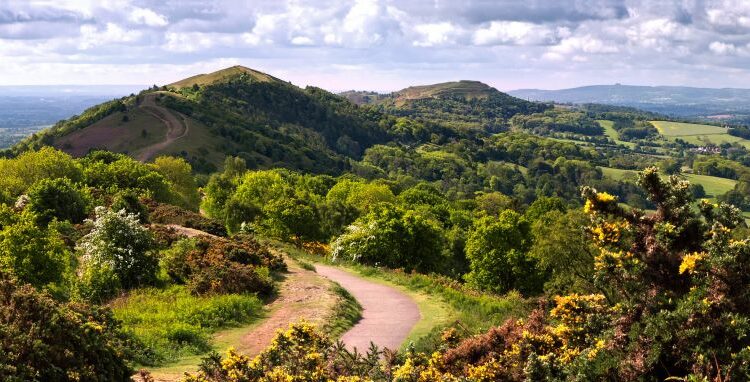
x,y
129,201
217,265
393,238
44,340
119,242
33,254
57,199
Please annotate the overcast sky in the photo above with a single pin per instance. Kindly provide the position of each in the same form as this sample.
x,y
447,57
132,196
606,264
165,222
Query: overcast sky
x,y
379,44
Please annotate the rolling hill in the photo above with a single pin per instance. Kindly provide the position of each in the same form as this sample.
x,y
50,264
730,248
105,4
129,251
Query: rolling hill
x,y
235,111
459,105
271,123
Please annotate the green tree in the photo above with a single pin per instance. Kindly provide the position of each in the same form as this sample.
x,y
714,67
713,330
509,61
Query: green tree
x,y
58,199
33,254
563,249
179,173
497,252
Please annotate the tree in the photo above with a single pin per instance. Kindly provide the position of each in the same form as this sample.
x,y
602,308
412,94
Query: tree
x,y
496,249
179,173
563,250
33,254
394,238
291,218
57,199
118,242
542,205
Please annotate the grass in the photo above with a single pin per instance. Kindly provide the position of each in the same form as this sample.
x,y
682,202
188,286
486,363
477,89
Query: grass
x,y
609,131
347,313
714,186
175,324
697,134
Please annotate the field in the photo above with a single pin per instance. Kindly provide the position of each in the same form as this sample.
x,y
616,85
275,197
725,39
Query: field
x,y
697,134
714,186
610,132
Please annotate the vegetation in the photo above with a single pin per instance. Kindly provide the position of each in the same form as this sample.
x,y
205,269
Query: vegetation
x,y
173,323
454,191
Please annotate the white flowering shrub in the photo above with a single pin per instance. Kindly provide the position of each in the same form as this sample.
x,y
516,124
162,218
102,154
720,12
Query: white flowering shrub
x,y
116,254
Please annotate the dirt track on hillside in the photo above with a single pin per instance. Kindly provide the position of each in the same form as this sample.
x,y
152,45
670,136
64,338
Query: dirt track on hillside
x,y
388,314
176,127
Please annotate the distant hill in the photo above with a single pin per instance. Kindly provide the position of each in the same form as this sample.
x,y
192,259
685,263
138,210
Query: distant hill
x,y
235,111
464,105
271,123
678,101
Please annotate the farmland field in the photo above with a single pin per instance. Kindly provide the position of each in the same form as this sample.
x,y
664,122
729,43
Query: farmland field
x,y
697,134
610,132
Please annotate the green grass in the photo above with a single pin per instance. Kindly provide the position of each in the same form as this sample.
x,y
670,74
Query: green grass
x,y
714,186
612,134
697,134
347,313
175,324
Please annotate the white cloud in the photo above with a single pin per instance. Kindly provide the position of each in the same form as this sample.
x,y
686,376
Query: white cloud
x,y
435,34
148,17
302,40
91,36
516,33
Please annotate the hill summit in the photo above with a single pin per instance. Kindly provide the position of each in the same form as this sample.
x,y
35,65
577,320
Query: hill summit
x,y
222,76
463,88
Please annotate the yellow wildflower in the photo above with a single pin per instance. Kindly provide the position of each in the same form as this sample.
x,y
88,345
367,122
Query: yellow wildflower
x,y
690,261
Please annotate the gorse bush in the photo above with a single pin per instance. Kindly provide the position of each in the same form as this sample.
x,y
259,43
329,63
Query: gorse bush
x,y
217,265
45,340
117,248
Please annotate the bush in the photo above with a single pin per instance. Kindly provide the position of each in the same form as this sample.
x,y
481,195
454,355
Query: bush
x,y
33,254
217,265
119,242
57,199
129,201
390,237
44,340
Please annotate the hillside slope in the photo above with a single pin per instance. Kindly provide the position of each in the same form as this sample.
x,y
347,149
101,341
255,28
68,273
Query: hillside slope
x,y
236,111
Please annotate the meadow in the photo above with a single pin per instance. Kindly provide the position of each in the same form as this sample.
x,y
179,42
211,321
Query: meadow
x,y
697,134
714,186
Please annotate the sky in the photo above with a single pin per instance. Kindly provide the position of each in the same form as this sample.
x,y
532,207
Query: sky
x,y
380,45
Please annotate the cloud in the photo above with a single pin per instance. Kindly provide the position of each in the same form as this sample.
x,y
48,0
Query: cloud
x,y
517,33
91,36
544,43
435,34
148,17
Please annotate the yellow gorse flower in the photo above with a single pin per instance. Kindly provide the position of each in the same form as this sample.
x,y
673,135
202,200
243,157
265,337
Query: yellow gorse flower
x,y
690,261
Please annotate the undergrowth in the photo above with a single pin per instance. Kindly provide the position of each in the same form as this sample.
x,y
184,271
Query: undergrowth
x,y
173,323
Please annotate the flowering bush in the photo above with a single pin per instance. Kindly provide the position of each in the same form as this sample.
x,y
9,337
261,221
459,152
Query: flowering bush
x,y
117,250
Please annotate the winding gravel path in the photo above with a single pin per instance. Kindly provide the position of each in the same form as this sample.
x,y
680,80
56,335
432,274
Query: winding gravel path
x,y
388,314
